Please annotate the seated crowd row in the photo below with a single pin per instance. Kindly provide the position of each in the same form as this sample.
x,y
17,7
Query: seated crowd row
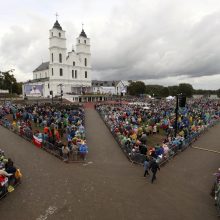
x,y
133,124
60,128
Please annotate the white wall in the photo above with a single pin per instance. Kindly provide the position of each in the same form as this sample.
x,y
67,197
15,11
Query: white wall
x,y
41,74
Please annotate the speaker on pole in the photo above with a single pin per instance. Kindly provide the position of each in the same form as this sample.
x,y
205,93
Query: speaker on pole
x,y
182,101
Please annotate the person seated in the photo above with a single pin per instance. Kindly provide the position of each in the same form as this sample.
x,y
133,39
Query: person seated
x,y
4,173
9,167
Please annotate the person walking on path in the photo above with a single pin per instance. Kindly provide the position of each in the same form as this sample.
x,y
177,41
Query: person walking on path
x,y
154,167
146,167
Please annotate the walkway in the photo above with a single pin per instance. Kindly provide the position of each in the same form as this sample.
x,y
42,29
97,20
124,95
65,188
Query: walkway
x,y
108,186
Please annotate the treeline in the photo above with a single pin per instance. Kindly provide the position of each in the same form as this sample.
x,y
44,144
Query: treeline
x,y
9,82
138,88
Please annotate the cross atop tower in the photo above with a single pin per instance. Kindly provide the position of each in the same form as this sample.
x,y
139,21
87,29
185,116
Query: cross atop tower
x,y
82,26
56,15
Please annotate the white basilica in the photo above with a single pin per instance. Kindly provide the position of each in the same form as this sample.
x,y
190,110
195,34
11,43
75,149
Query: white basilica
x,y
69,72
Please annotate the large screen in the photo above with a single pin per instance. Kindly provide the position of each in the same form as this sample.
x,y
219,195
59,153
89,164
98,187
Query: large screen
x,y
33,90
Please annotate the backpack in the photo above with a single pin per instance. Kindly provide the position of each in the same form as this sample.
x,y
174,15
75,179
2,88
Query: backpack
x,y
18,174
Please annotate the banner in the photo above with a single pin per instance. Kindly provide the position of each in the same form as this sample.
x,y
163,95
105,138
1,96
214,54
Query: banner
x,y
37,141
33,90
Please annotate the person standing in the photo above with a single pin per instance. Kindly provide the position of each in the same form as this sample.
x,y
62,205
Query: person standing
x,y
146,167
83,150
65,151
154,167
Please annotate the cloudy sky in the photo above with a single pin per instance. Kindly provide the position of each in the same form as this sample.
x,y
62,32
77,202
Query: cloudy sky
x,y
160,41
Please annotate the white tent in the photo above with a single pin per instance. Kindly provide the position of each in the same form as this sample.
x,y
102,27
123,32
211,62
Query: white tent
x,y
170,98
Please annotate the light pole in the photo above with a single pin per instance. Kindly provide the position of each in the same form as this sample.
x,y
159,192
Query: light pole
x,y
180,102
176,111
12,83
61,91
11,89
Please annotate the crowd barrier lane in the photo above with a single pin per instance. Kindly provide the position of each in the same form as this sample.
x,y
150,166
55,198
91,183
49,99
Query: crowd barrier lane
x,y
138,158
215,193
53,149
3,190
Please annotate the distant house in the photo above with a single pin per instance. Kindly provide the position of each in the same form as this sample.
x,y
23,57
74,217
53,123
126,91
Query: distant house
x,y
213,97
109,87
121,87
198,96
205,96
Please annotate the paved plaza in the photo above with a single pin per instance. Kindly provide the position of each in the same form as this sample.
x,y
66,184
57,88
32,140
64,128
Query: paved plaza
x,y
108,186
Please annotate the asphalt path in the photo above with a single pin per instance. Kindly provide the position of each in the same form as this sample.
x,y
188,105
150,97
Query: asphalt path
x,y
108,186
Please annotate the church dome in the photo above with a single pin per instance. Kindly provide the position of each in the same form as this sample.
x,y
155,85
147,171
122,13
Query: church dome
x,y
83,34
57,25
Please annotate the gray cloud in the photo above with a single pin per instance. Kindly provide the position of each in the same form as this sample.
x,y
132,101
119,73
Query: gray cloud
x,y
161,47
139,40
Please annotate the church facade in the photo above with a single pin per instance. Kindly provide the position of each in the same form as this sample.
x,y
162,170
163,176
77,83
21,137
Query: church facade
x,y
65,72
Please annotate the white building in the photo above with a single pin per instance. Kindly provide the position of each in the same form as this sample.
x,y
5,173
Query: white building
x,y
121,87
69,72
110,87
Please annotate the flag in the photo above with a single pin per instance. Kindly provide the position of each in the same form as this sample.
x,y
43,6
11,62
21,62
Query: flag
x,y
37,141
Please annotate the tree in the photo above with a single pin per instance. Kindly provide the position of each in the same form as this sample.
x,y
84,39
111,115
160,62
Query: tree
x,y
173,90
218,93
154,90
186,89
136,88
8,81
164,92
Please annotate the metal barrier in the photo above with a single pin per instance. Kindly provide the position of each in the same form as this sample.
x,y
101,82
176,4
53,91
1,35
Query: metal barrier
x,y
54,149
173,149
215,193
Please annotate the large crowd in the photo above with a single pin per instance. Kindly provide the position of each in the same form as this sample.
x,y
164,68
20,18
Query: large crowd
x,y
49,125
133,123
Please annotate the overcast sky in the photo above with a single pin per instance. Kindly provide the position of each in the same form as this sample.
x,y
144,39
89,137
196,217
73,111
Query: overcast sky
x,y
160,41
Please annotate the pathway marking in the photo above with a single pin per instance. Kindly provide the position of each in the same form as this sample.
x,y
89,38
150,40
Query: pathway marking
x,y
205,149
86,164
49,211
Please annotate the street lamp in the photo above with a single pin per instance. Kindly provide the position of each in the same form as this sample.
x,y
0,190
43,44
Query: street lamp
x,y
61,91
11,89
12,83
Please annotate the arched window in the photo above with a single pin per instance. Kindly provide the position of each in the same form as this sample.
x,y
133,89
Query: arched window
x,y
59,34
75,74
78,41
72,73
85,62
85,74
52,71
60,58
61,72
85,41
74,63
52,57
